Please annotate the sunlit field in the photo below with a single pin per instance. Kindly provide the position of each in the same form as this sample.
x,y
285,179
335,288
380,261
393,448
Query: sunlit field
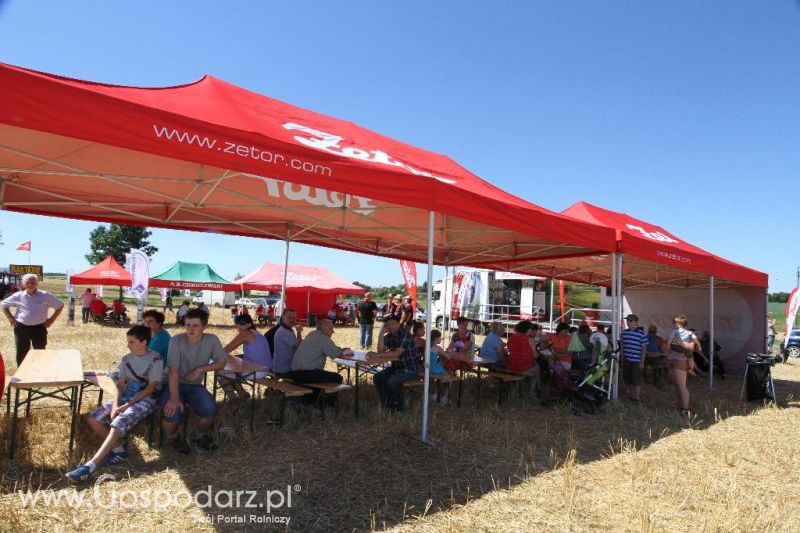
x,y
729,466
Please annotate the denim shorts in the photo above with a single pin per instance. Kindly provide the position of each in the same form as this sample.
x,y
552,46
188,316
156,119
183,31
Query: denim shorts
x,y
126,420
196,395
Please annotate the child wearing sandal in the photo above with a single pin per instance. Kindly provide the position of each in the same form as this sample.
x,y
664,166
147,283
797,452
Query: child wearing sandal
x,y
138,380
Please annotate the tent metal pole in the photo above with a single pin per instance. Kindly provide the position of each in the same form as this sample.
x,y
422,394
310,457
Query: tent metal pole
x,y
552,290
620,312
614,321
710,353
446,310
285,271
428,319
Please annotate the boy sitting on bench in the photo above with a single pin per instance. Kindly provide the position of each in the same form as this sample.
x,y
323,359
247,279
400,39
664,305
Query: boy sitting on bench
x,y
187,361
139,377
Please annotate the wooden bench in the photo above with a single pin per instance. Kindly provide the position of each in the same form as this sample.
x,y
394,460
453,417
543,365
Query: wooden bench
x,y
324,390
506,378
437,379
286,389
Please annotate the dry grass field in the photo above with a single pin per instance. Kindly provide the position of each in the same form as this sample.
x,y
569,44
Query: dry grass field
x,y
730,466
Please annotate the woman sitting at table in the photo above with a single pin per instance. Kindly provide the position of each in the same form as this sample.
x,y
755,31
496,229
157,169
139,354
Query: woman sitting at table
x,y
256,350
463,341
559,344
521,350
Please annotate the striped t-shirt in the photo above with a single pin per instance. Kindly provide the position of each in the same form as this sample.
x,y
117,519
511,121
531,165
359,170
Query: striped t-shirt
x,y
633,343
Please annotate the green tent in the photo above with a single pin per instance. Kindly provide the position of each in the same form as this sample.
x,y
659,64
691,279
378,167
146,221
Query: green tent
x,y
195,276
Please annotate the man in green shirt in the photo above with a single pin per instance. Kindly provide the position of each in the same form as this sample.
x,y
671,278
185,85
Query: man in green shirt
x,y
309,360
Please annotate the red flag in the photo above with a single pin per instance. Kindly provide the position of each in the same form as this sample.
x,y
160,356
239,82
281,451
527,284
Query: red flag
x,y
25,246
410,277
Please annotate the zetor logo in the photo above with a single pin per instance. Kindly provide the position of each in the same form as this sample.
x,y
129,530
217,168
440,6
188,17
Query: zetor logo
x,y
655,235
330,143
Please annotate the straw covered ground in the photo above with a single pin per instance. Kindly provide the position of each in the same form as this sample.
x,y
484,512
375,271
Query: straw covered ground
x,y
730,466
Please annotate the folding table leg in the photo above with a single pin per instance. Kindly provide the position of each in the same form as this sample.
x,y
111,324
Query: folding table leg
x,y
28,404
12,443
8,399
282,410
80,396
73,405
460,382
322,399
356,390
252,404
478,369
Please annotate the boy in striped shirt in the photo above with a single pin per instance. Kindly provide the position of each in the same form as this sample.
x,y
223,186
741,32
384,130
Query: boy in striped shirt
x,y
634,341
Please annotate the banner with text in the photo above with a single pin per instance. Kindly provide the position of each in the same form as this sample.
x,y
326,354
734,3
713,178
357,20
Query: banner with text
x,y
138,265
410,277
791,314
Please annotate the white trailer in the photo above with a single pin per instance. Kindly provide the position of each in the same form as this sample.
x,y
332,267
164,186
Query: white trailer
x,y
484,296
215,298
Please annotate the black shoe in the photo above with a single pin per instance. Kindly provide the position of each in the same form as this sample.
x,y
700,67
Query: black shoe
x,y
206,443
181,446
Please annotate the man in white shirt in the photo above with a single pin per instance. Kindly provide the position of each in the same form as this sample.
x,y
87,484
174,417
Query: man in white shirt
x,y
30,320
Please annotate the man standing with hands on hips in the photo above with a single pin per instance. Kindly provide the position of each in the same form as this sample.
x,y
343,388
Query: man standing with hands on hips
x,y
30,321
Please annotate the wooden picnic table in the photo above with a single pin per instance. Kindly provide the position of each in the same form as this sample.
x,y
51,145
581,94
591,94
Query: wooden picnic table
x,y
472,360
46,369
242,371
360,360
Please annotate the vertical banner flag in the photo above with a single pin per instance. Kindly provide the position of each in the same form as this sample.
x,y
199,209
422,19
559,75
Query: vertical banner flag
x,y
98,290
138,265
24,247
70,298
69,281
562,299
410,277
791,314
187,293
163,292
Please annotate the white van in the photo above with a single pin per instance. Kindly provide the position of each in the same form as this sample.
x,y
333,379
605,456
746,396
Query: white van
x,y
215,298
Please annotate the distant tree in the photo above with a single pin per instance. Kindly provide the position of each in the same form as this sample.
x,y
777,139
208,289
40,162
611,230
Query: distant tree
x,y
117,240
780,297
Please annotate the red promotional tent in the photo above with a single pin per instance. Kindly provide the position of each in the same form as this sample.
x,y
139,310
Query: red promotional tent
x,y
106,272
299,278
653,257
210,156
308,288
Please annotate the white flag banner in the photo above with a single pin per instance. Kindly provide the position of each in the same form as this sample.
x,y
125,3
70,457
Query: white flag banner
x,y
69,280
163,293
98,290
138,265
187,293
791,314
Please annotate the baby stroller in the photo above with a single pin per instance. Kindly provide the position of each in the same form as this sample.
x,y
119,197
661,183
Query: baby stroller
x,y
594,380
580,396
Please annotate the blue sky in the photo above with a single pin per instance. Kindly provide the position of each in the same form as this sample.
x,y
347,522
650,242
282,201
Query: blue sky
x,y
684,114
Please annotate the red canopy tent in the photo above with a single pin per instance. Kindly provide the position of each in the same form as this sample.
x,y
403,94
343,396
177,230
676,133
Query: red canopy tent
x,y
653,257
106,272
210,156
308,288
664,275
